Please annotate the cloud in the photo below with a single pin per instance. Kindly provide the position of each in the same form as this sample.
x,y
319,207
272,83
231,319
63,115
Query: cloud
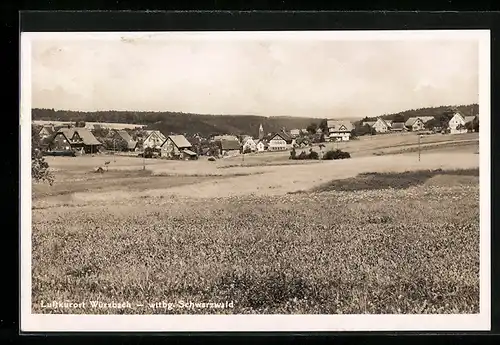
x,y
308,78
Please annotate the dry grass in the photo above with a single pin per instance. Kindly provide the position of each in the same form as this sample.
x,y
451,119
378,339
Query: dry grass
x,y
328,252
404,180
228,231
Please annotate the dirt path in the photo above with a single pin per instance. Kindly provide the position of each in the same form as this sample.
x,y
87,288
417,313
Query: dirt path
x,y
274,180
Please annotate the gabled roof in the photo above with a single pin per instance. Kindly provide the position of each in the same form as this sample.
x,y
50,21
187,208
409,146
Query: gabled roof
x,y
384,121
68,132
49,129
154,132
339,126
283,136
466,119
469,119
411,121
179,140
124,135
426,118
189,152
398,125
227,144
87,136
246,140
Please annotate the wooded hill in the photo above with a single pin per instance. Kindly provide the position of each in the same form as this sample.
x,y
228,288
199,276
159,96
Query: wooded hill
x,y
467,110
176,122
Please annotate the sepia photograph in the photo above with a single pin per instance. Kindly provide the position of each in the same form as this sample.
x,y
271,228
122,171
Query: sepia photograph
x,y
255,181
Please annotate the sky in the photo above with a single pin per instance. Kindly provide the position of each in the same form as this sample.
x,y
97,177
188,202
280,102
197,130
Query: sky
x,y
267,77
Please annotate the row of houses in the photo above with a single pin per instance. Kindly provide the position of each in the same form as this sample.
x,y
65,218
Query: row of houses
x,y
457,124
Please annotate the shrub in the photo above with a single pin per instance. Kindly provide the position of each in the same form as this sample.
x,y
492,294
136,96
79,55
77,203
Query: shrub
x,y
336,154
148,152
39,167
313,155
302,155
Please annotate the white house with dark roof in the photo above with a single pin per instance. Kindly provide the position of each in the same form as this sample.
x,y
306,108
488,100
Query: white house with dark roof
x,y
416,124
81,139
229,147
249,144
339,130
154,139
177,147
279,142
458,121
261,145
382,125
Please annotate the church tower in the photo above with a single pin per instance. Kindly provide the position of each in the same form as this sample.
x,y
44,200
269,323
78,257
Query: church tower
x,y
261,132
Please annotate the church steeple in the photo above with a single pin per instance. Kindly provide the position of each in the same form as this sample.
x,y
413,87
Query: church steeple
x,y
261,132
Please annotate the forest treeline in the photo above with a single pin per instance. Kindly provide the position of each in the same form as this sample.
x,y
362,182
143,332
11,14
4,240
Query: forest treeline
x,y
176,122
205,125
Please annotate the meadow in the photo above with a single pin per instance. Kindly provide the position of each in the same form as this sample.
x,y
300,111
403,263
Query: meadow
x,y
371,234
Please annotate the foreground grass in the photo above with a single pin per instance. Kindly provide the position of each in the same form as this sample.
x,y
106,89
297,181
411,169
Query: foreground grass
x,y
370,251
371,181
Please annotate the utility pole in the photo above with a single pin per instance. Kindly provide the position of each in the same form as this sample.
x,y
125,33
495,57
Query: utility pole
x,y
419,136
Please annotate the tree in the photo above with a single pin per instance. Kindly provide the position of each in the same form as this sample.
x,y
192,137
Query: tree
x,y
445,118
475,124
313,155
312,128
324,125
432,123
39,166
293,154
398,118
80,124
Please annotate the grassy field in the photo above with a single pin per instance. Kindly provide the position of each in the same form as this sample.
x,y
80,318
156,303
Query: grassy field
x,y
371,234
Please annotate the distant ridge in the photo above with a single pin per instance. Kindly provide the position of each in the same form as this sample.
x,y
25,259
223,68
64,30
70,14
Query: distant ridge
x,y
177,122
467,110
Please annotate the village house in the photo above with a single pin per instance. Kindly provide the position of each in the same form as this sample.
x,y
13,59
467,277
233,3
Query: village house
x,y
398,127
123,135
177,147
229,147
46,132
261,145
76,139
279,142
154,139
302,143
415,124
382,125
294,133
339,130
249,144
457,123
